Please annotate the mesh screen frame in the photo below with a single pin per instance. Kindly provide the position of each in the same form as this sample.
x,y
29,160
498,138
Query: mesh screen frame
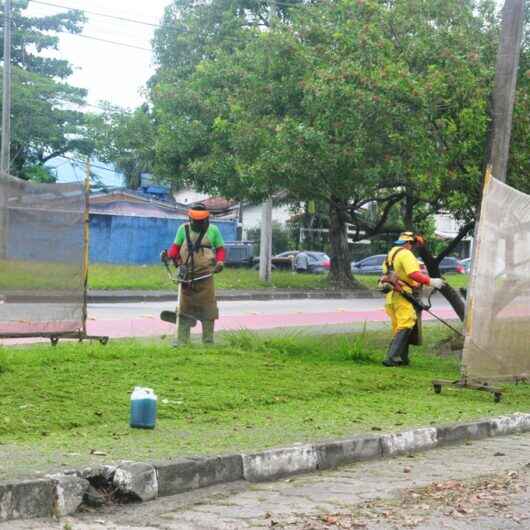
x,y
497,344
43,258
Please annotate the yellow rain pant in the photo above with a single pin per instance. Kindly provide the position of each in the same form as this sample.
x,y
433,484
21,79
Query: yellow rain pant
x,y
401,312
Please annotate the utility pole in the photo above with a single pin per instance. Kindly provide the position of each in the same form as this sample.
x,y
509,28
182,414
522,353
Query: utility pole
x,y
6,131
5,150
504,87
86,226
265,247
503,102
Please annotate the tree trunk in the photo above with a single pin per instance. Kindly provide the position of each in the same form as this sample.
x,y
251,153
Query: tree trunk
x,y
456,301
340,274
408,216
450,294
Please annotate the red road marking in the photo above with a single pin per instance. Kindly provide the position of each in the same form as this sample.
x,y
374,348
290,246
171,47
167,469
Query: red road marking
x,y
154,327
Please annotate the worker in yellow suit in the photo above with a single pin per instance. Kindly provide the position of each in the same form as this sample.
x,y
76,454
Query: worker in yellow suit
x,y
402,274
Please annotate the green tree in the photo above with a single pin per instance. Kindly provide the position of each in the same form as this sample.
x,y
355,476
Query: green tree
x,y
125,139
353,104
281,241
46,122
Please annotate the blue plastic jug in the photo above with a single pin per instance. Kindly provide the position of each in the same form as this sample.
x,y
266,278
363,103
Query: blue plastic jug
x,y
143,408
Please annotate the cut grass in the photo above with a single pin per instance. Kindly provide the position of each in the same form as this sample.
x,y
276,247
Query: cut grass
x,y
249,393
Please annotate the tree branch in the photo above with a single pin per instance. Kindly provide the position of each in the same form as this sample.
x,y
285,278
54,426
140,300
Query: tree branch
x,y
385,214
55,154
461,234
372,230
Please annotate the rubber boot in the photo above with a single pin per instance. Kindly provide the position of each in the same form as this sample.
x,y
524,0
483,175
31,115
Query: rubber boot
x,y
182,334
405,355
399,344
208,327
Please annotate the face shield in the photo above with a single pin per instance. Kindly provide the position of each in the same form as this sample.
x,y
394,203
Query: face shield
x,y
199,220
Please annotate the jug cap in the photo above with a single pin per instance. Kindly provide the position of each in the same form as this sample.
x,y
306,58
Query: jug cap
x,y
143,393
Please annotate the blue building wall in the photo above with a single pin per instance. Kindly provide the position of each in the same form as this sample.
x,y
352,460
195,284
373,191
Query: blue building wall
x,y
138,240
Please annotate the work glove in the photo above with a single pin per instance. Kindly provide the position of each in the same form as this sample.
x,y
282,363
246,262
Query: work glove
x,y
437,283
219,266
164,258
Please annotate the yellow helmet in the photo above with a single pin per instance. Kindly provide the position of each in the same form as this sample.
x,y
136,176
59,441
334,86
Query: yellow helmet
x,y
409,237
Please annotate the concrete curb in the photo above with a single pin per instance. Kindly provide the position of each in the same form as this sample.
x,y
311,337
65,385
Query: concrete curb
x,y
60,495
115,297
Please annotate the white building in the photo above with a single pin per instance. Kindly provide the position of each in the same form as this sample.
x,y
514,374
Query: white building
x,y
251,216
189,196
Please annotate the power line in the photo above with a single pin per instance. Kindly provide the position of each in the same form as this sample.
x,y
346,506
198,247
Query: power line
x,y
99,14
91,37
37,76
77,161
107,41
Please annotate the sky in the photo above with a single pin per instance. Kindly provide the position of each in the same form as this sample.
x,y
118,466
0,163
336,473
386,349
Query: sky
x,y
109,72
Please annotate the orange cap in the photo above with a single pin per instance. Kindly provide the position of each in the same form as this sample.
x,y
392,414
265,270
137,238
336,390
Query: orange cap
x,y
198,215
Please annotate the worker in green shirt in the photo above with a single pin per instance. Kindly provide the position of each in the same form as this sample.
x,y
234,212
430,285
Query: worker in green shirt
x,y
199,252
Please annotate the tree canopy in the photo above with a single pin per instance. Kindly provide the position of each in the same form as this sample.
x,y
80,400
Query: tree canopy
x,y
124,138
354,103
46,118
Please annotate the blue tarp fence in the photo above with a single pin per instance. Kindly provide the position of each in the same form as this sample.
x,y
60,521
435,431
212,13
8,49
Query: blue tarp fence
x,y
130,240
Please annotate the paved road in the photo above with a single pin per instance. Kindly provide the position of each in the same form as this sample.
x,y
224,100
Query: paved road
x,y
482,485
142,319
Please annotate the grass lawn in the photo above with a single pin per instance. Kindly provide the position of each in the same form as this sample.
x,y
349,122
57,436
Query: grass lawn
x,y
154,277
252,391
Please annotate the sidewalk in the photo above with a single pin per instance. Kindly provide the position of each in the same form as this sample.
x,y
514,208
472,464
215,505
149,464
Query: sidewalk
x,y
483,483
122,296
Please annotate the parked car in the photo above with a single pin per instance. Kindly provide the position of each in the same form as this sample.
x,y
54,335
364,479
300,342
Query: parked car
x,y
318,262
239,253
466,263
374,265
369,265
282,261
450,264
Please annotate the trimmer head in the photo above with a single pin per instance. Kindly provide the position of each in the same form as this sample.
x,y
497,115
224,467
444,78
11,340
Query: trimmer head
x,y
169,316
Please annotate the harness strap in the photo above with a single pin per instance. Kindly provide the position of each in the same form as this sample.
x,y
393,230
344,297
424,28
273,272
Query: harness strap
x,y
390,265
198,243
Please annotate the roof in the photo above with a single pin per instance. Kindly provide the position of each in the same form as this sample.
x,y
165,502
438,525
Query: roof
x,y
217,203
132,209
122,201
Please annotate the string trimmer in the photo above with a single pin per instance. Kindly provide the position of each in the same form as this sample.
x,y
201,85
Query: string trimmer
x,y
426,306
178,278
